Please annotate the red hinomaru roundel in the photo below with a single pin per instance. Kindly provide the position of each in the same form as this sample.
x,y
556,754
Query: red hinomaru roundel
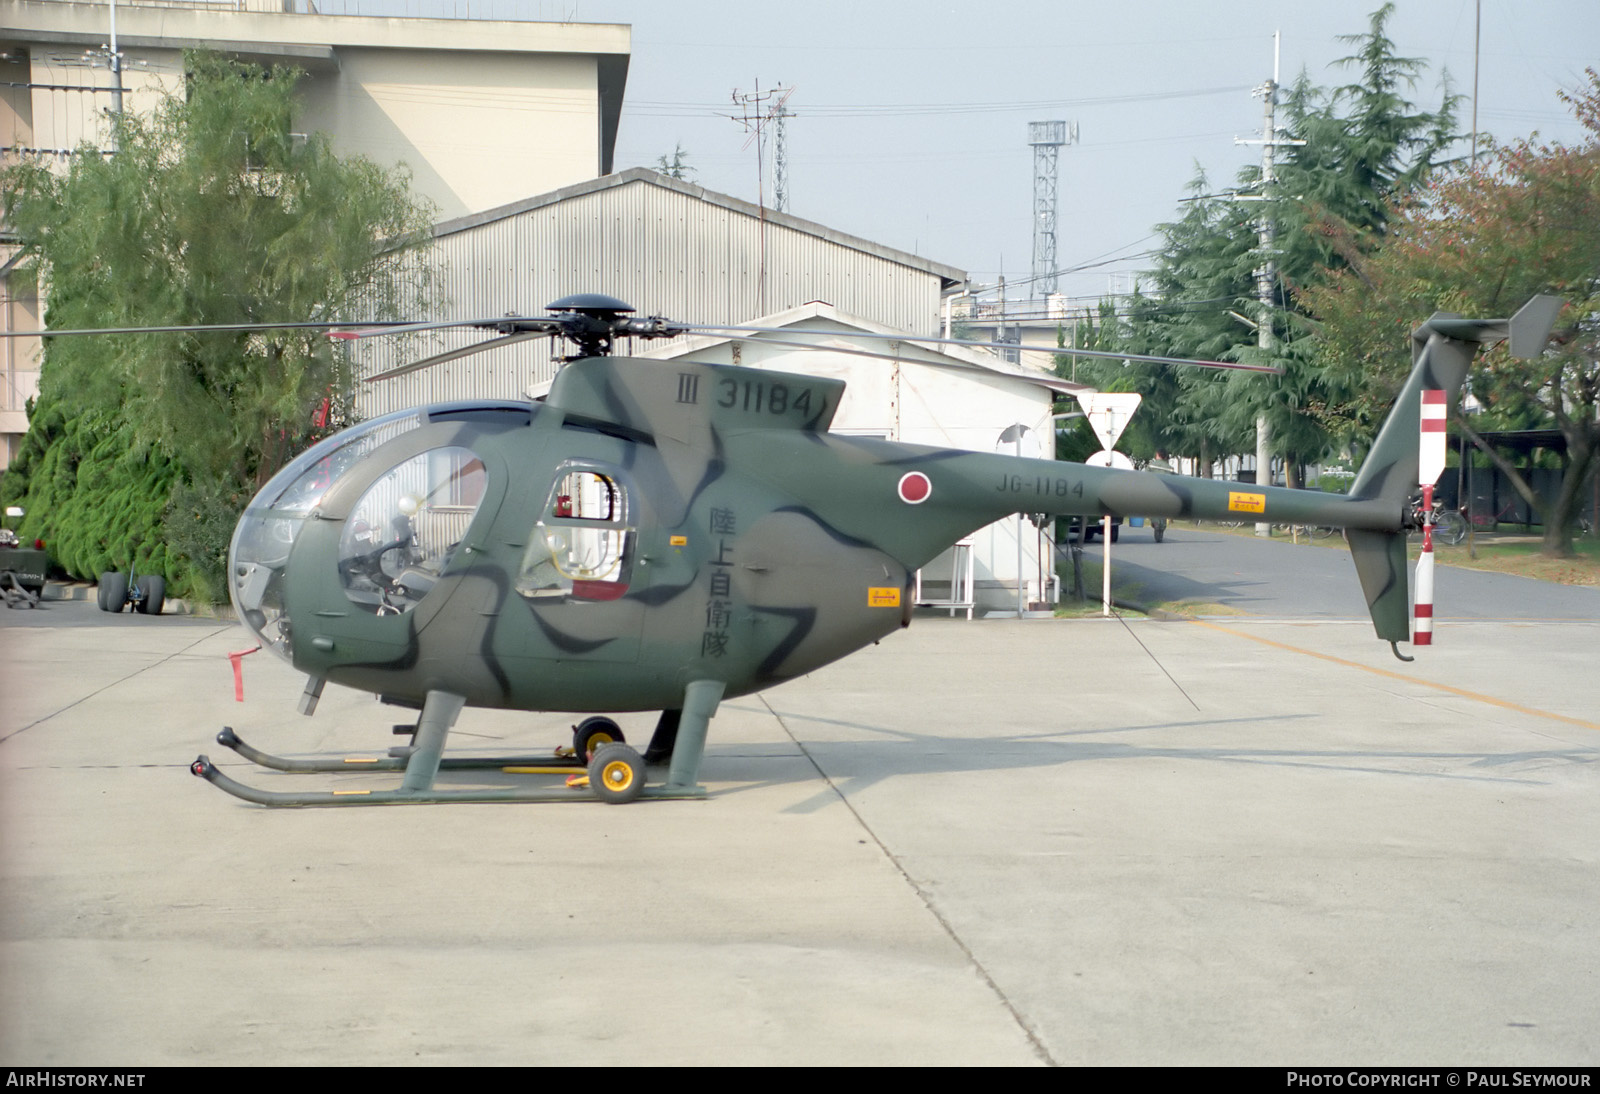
x,y
915,488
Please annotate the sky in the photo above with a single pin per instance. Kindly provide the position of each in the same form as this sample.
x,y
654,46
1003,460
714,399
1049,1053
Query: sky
x,y
910,120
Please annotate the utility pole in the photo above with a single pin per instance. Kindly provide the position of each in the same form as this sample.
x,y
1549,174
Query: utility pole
x,y
1477,29
1267,271
759,110
116,64
1000,326
755,120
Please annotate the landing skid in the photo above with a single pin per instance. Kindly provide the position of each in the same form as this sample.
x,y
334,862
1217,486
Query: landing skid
x,y
208,771
615,772
397,760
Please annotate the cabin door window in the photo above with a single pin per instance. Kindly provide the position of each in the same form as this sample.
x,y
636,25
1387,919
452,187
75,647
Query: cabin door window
x,y
581,547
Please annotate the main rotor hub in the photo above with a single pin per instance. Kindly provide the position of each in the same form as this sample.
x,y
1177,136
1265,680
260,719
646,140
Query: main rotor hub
x,y
592,321
593,304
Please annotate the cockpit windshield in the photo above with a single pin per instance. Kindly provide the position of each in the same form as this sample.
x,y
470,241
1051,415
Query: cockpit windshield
x,y
261,544
404,530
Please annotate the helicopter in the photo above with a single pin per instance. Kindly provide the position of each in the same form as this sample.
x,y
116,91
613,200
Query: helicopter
x,y
662,535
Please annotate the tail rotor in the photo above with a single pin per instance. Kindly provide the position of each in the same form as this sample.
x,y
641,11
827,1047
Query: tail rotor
x,y
1442,350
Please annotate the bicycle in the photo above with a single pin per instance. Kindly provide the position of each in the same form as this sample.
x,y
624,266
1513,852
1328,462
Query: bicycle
x,y
1449,525
1488,522
1297,532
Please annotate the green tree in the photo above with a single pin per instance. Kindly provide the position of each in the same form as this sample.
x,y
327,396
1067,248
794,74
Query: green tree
x,y
211,211
1526,220
1182,309
1178,317
676,165
1364,144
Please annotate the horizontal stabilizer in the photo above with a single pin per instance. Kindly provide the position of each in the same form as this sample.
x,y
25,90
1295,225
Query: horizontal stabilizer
x,y
1531,326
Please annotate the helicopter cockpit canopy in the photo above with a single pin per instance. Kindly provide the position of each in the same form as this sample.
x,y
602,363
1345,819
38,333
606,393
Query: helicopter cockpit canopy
x,y
395,539
401,534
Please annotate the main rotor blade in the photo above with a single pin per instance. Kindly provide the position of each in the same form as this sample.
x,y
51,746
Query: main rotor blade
x,y
506,324
922,340
528,326
455,354
1237,366
824,347
341,328
205,328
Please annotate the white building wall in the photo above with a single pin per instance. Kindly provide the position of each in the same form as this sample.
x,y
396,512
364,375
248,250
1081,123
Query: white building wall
x,y
475,129
481,112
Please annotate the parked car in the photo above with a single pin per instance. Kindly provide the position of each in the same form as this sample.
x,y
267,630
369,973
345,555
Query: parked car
x,y
1084,530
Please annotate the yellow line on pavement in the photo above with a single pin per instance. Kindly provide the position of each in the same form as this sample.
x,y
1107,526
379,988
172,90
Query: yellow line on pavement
x,y
1463,692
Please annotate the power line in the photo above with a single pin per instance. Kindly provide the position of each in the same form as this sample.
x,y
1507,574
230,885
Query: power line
x,y
669,108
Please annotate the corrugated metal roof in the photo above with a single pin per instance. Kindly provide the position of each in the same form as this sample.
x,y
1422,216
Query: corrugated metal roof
x,y
668,248
949,275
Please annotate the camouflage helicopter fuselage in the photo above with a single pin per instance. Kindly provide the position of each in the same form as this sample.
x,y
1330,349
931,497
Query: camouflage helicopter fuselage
x,y
662,535
752,545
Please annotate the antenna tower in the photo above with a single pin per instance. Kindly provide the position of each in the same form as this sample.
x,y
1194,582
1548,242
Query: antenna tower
x,y
780,154
1046,138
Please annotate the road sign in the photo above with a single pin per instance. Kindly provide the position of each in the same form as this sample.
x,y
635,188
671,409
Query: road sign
x,y
1108,457
1108,412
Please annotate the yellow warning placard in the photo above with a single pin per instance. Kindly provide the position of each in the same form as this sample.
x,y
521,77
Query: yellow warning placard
x,y
678,541
1247,503
883,598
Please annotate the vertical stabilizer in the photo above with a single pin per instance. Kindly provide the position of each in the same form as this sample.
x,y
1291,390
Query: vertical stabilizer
x,y
1381,565
1442,350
